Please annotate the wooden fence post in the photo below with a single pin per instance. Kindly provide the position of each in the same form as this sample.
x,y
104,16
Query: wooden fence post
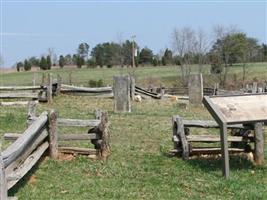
x,y
50,89
3,182
121,86
259,144
195,89
31,113
53,136
103,127
59,81
132,87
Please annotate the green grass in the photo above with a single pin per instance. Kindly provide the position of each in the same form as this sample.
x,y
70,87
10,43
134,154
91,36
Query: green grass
x,y
139,166
167,75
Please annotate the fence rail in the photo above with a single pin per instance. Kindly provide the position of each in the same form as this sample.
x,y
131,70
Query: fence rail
x,y
42,136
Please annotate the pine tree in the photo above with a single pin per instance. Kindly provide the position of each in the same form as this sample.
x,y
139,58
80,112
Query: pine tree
x,y
61,61
43,63
49,62
27,65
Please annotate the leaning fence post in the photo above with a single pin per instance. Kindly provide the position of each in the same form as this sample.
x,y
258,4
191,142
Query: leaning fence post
x,y
259,144
49,89
52,132
3,182
31,112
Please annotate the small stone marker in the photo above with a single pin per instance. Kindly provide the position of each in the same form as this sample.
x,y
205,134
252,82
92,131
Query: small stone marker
x,y
195,89
121,86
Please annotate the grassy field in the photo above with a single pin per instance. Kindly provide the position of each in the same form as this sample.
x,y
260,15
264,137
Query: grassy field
x,y
139,166
167,75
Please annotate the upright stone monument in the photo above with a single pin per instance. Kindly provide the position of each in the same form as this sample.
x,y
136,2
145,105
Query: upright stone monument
x,y
195,89
121,86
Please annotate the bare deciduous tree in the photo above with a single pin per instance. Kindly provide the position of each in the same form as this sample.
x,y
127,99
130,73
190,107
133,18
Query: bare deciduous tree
x,y
183,43
52,54
202,47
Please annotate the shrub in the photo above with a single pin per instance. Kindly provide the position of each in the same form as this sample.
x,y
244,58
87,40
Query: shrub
x,y
98,83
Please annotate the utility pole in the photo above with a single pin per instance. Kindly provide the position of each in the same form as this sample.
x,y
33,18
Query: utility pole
x,y
133,51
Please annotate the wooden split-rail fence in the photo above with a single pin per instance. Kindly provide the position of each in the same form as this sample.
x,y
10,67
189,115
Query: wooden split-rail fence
x,y
42,136
42,93
87,91
241,139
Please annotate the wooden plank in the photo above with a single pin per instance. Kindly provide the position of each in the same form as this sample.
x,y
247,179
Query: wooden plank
x,y
18,95
77,150
30,148
259,144
77,122
242,108
224,150
70,88
99,95
15,103
207,150
198,151
3,181
181,136
52,134
12,136
86,136
17,147
12,88
27,165
210,138
208,124
144,92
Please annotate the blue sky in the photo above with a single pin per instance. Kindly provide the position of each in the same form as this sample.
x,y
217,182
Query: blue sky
x,y
29,28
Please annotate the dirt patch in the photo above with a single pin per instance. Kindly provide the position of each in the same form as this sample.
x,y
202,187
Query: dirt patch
x,y
65,157
33,180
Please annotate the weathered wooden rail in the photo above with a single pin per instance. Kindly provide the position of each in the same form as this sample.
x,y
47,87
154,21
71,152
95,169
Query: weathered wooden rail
x,y
18,159
86,91
42,93
240,140
42,134
98,134
143,92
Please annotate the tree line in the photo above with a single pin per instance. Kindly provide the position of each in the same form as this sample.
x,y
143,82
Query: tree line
x,y
188,46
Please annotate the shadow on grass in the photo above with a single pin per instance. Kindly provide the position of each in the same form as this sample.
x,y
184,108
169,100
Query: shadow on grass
x,y
215,163
22,182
